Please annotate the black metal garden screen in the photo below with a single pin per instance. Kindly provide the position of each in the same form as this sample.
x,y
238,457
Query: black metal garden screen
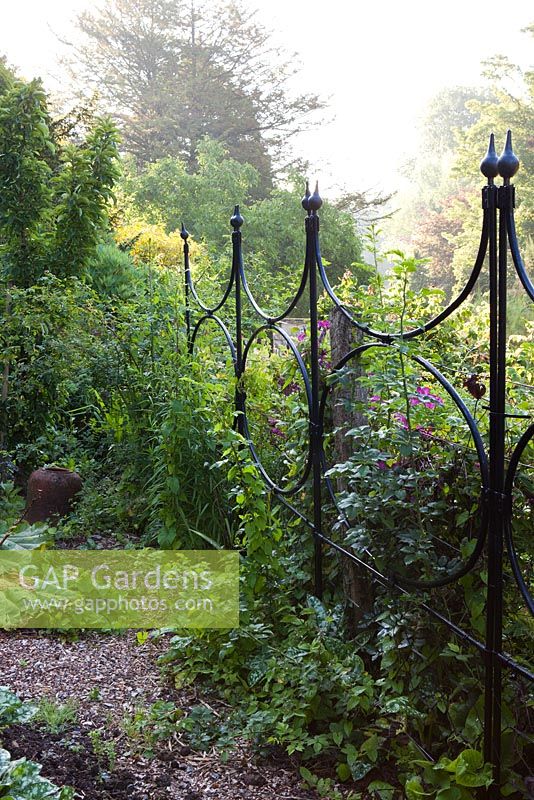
x,y
495,541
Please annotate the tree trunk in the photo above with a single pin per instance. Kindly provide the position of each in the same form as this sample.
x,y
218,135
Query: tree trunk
x,y
357,586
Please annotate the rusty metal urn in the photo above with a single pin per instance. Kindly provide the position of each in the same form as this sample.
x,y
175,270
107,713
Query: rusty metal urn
x,y
50,492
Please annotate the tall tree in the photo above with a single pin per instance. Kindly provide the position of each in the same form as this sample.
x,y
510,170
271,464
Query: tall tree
x,y
6,76
174,71
53,194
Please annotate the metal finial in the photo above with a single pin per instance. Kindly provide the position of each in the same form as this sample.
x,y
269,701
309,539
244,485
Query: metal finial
x,y
489,164
184,233
508,162
237,220
315,199
306,198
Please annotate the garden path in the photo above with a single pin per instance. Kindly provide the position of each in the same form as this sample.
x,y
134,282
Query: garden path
x,y
109,682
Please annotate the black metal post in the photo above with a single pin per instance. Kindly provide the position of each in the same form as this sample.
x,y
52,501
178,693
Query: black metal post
x,y
501,199
187,281
236,222
312,204
490,169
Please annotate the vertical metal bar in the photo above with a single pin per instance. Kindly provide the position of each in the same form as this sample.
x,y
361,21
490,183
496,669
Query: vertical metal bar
x,y
497,539
507,165
312,232
237,255
187,282
491,201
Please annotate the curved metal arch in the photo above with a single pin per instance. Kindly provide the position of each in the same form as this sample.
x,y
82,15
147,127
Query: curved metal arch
x,y
483,464
387,338
508,490
287,491
258,309
210,311
516,255
224,329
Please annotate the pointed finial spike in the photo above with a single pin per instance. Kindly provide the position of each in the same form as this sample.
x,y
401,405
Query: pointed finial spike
x,y
237,220
184,233
315,200
488,165
306,198
508,163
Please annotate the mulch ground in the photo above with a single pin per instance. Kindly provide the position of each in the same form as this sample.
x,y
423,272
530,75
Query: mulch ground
x,y
109,677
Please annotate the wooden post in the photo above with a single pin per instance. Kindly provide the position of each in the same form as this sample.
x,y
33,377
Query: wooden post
x,y
357,586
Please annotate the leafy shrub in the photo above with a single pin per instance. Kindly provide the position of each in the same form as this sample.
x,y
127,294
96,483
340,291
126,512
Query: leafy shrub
x,y
21,780
458,779
16,533
13,709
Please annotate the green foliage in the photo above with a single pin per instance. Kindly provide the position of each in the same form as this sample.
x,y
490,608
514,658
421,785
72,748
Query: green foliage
x,y
7,76
13,710
50,337
288,677
203,200
113,274
273,231
83,189
55,717
50,221
25,196
457,779
21,780
148,727
16,533
104,750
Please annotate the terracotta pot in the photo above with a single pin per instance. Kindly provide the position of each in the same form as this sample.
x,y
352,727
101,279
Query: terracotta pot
x,y
49,494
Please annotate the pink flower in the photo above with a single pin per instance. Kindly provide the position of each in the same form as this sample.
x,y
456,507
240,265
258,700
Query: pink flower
x,y
426,433
301,335
325,324
288,389
401,419
375,398
273,427
414,401
433,398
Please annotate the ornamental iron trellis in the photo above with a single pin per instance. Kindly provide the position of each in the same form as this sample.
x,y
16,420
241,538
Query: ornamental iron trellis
x,y
498,238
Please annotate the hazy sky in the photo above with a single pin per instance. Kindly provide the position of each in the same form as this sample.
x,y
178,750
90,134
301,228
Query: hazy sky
x,y
379,61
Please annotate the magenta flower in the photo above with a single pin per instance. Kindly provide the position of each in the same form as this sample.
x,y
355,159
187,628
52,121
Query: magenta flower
x,y
414,401
401,419
301,335
324,324
375,398
273,427
291,388
432,399
426,433
381,464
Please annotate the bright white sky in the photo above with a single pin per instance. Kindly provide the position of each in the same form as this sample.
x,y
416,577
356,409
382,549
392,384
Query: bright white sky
x,y
379,61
